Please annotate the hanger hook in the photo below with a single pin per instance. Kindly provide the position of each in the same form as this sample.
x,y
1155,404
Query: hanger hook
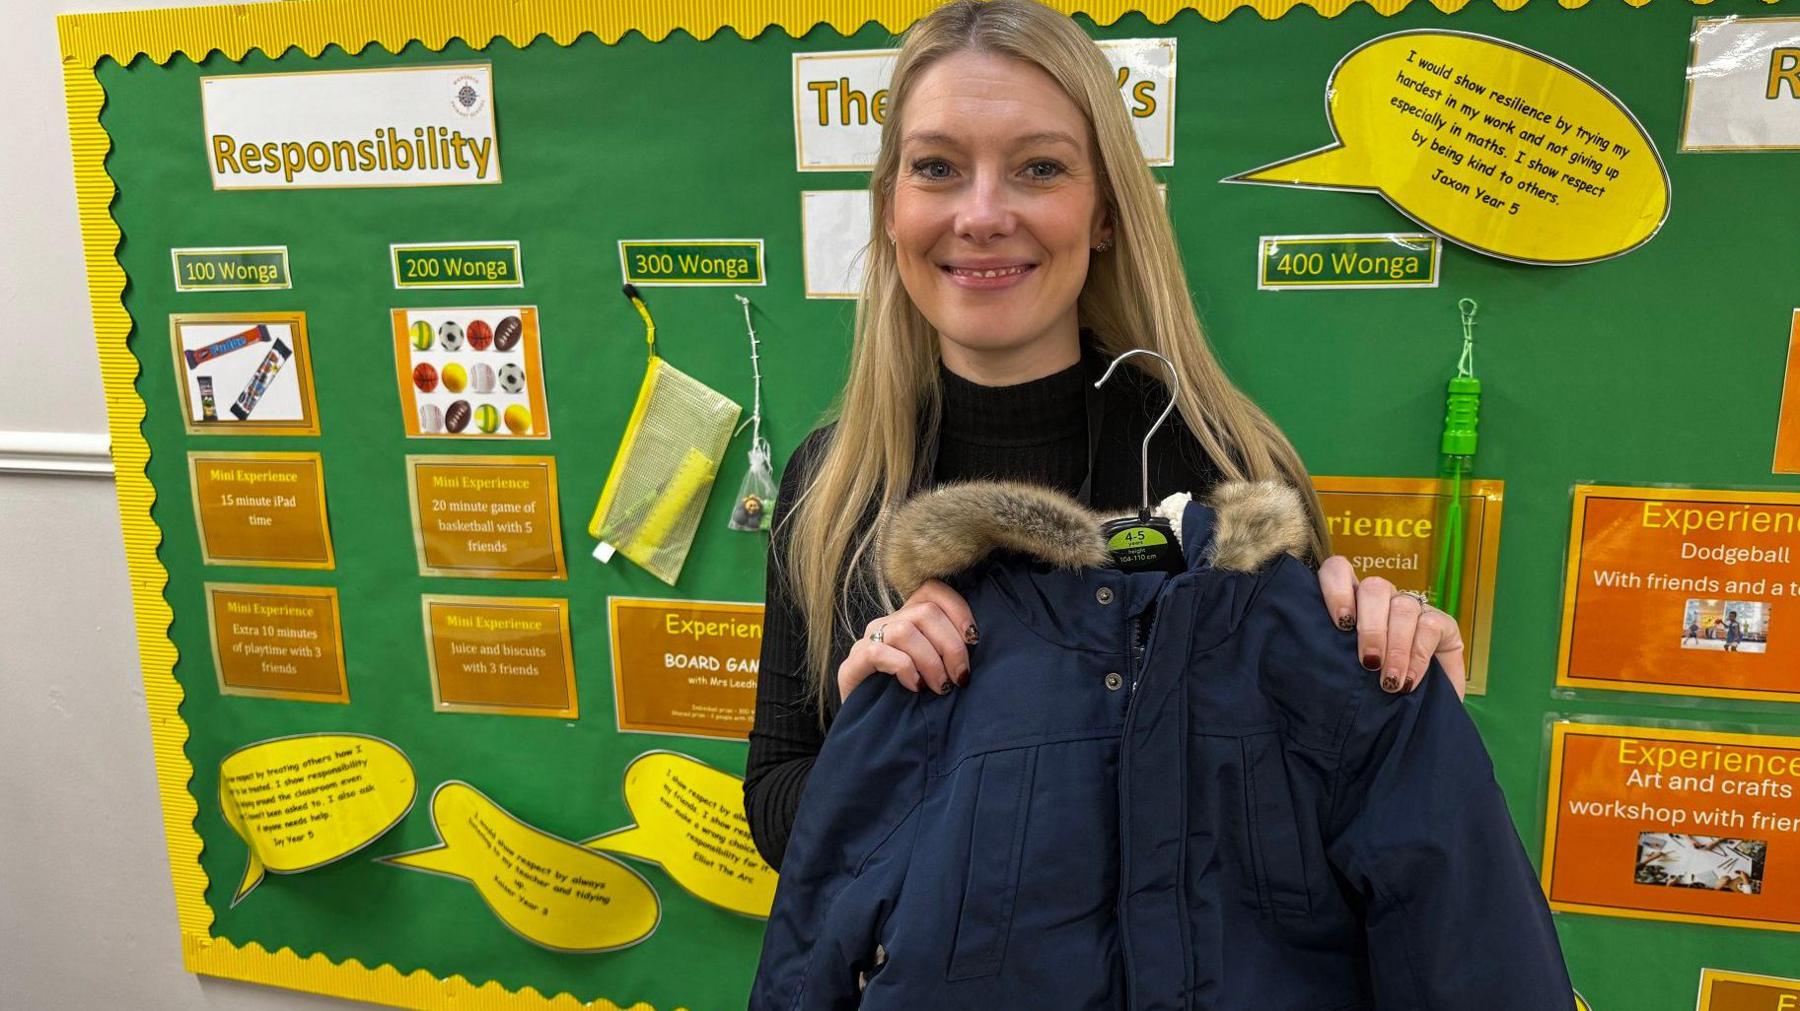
x,y
1174,391
1466,365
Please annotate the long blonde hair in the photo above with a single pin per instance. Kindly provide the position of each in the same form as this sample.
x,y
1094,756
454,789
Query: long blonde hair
x,y
1136,296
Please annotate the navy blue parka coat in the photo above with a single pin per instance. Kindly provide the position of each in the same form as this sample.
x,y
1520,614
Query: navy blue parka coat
x,y
1156,792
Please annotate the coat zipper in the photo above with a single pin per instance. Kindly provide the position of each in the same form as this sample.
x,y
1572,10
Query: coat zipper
x,y
1139,635
1143,632
1141,626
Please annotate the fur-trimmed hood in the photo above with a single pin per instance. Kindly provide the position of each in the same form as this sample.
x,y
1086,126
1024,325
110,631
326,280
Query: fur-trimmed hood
x,y
945,530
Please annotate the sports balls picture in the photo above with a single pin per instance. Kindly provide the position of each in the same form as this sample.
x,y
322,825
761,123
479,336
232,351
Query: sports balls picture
x,y
506,335
512,378
470,373
480,335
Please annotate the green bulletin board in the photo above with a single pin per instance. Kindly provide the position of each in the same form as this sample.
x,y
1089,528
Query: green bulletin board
x,y
1659,366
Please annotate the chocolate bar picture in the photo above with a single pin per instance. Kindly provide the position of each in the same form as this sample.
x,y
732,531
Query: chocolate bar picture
x,y
257,334
260,380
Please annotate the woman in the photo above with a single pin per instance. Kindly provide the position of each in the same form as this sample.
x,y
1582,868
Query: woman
x,y
1018,245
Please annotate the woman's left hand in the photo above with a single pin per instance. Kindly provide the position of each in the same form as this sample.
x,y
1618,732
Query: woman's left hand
x,y
1396,634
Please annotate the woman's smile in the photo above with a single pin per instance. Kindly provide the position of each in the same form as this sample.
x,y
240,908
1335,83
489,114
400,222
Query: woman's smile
x,y
983,278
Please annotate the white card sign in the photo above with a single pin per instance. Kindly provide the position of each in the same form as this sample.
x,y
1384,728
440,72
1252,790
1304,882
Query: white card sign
x,y
841,100
1743,85
399,126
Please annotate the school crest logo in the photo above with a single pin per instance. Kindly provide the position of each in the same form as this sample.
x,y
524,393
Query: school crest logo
x,y
467,96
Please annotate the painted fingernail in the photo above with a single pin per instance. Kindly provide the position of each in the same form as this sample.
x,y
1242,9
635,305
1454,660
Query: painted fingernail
x,y
1390,683
971,635
1371,661
944,689
1346,621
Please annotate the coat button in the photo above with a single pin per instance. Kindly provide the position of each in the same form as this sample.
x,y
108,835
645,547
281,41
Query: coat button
x,y
1104,595
1113,681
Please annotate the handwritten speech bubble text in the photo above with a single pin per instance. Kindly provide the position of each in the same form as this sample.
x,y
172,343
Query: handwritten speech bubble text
x,y
302,802
690,821
1494,146
546,889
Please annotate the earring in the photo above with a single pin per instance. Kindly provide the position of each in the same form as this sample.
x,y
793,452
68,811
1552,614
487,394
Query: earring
x,y
1105,244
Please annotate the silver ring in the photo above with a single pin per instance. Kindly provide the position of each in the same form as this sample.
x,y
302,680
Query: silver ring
x,y
875,636
1421,596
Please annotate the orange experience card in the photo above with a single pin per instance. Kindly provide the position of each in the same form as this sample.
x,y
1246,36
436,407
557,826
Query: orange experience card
x,y
1721,990
261,509
1663,824
470,373
685,666
1387,526
493,516
279,642
1682,592
1787,426
508,655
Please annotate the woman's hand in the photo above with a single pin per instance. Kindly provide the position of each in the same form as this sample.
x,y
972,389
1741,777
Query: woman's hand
x,y
924,644
1396,634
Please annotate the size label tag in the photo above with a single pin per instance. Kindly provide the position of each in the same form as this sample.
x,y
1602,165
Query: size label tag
x,y
457,265
700,262
231,268
1347,261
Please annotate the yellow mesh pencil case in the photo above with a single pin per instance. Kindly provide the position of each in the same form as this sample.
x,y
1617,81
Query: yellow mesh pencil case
x,y
651,504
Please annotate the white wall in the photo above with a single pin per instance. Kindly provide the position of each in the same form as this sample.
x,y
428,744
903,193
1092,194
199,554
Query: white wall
x,y
87,914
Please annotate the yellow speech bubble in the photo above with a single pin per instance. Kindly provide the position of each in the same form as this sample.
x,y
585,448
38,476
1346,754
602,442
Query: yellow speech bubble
x,y
690,821
302,802
546,889
1491,145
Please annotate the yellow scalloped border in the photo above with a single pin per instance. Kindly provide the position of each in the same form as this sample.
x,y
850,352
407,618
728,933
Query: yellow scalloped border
x,y
130,453
352,25
311,25
352,980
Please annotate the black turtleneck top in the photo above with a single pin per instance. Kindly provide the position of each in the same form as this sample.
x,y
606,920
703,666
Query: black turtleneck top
x,y
1034,431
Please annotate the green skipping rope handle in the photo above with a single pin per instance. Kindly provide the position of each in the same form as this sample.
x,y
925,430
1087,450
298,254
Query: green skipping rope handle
x,y
1462,418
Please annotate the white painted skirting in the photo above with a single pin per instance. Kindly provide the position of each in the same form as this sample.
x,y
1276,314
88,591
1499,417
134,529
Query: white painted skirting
x,y
80,454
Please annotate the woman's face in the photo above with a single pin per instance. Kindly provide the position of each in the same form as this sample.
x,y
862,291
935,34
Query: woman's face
x,y
995,206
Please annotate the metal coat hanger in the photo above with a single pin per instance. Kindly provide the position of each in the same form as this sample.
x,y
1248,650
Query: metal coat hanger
x,y
1174,391
1145,542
